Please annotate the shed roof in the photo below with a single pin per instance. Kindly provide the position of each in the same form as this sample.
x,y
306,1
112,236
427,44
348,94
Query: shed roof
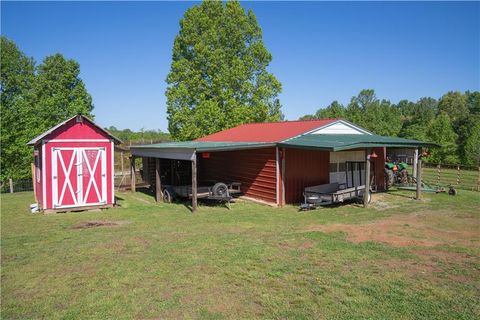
x,y
204,145
339,142
266,131
51,130
186,150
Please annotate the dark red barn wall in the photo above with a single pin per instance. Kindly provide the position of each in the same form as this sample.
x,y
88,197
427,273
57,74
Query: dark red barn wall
x,y
378,171
304,168
255,169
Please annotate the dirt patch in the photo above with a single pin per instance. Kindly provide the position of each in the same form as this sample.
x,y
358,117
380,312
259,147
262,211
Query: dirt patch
x,y
427,229
98,223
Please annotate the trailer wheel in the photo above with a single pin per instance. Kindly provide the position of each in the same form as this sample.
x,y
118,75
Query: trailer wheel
x,y
167,197
452,191
220,189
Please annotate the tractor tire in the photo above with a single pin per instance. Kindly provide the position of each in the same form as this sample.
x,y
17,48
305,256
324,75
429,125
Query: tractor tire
x,y
403,176
389,178
220,189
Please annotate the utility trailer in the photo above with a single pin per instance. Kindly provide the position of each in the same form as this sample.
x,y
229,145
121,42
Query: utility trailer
x,y
331,193
219,191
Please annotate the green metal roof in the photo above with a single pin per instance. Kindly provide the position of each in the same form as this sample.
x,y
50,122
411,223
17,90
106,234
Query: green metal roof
x,y
205,145
339,142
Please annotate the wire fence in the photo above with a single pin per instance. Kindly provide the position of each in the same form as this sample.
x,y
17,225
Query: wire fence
x,y
11,186
461,177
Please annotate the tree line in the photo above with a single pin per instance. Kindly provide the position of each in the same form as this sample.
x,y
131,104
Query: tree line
x,y
142,136
34,97
452,121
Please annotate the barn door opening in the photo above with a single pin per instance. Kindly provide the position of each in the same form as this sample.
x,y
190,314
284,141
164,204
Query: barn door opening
x,y
78,177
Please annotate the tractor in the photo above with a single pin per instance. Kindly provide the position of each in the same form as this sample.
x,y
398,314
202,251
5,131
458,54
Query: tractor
x,y
395,173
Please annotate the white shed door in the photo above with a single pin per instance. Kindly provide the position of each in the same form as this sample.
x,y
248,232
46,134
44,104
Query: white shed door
x,y
78,177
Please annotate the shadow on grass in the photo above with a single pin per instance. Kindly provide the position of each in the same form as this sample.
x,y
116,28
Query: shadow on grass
x,y
398,193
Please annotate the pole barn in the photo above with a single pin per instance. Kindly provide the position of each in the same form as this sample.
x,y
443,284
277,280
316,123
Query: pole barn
x,y
74,166
272,162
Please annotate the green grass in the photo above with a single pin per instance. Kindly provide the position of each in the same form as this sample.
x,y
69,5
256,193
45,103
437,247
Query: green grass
x,y
249,262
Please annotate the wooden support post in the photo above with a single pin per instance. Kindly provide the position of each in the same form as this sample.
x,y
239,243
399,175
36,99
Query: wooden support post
x,y
419,179
121,161
132,173
415,162
194,183
158,182
10,183
283,176
34,179
366,193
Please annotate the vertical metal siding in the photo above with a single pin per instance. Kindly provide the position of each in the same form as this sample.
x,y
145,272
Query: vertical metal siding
x,y
255,169
378,171
304,168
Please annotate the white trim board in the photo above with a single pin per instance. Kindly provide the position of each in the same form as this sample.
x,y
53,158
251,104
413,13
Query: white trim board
x,y
340,127
76,140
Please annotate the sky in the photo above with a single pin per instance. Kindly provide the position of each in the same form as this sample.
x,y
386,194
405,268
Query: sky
x,y
322,51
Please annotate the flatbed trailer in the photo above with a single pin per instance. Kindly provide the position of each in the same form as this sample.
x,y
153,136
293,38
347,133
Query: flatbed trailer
x,y
219,191
331,193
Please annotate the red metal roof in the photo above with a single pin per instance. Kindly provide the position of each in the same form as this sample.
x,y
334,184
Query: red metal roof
x,y
266,131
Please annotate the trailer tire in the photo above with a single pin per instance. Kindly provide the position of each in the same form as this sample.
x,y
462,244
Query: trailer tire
x,y
220,189
452,191
167,197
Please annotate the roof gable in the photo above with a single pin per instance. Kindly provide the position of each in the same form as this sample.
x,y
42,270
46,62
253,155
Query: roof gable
x,y
266,131
75,128
340,127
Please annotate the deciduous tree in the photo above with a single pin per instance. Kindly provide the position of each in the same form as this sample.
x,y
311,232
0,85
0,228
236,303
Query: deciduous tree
x,y
218,77
16,82
59,91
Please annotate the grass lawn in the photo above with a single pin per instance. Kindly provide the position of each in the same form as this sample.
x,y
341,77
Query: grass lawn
x,y
399,259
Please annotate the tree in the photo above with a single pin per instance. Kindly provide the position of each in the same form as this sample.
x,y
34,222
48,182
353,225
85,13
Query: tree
x,y
59,91
417,117
472,145
441,131
218,77
473,102
380,117
453,104
33,100
334,110
16,81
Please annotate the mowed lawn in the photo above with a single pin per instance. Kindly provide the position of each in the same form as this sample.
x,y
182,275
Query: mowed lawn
x,y
399,259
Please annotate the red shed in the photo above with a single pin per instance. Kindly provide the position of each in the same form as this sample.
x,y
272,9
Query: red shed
x,y
74,163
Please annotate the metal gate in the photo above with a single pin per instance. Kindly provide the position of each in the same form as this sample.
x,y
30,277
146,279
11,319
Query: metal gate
x,y
79,177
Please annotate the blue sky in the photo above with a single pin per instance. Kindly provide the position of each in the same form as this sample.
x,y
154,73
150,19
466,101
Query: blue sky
x,y
322,51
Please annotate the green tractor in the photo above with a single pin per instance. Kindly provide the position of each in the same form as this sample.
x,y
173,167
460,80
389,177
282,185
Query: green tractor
x,y
396,173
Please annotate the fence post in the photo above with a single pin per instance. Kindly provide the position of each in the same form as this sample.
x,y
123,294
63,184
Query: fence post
x,y
10,182
438,174
478,180
458,175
